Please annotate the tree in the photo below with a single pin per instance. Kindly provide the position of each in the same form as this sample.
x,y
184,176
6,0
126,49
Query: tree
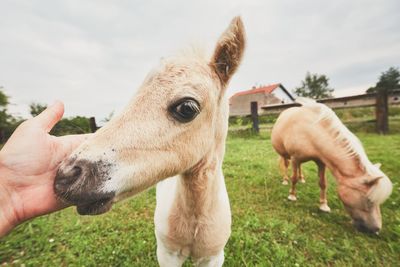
x,y
314,86
3,107
3,99
36,108
72,125
8,123
389,80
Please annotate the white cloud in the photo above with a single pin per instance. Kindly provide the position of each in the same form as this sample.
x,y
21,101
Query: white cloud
x,y
94,54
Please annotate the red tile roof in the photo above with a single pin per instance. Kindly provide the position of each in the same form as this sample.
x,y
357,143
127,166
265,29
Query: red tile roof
x,y
265,89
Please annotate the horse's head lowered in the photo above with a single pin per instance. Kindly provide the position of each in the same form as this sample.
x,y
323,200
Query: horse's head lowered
x,y
362,197
178,115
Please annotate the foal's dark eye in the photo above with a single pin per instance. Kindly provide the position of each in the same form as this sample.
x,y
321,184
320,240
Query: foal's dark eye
x,y
185,109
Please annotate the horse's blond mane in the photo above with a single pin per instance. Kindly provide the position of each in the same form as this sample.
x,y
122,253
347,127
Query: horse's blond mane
x,y
352,147
342,136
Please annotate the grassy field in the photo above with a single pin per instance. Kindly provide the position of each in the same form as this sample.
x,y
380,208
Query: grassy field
x,y
268,230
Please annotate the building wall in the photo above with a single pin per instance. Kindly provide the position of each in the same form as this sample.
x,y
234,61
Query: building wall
x,y
240,105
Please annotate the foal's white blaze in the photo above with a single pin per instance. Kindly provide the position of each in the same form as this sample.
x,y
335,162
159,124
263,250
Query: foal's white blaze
x,y
175,126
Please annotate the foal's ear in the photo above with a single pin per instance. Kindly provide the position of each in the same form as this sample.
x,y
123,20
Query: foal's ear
x,y
229,51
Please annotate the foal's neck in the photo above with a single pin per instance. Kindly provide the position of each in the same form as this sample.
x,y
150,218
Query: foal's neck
x,y
198,187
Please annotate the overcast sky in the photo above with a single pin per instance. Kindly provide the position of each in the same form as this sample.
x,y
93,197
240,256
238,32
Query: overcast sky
x,y
93,55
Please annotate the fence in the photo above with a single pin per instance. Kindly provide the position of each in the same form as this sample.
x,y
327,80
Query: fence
x,y
380,100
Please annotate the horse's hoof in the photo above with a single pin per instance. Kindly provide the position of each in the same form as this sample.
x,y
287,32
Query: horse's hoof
x,y
324,208
292,197
284,182
303,181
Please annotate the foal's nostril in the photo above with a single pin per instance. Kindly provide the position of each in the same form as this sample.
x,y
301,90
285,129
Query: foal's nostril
x,y
66,178
76,171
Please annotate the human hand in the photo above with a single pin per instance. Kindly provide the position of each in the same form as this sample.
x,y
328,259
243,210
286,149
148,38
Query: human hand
x,y
28,165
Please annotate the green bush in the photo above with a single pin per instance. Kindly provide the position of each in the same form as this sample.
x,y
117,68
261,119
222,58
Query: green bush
x,y
74,125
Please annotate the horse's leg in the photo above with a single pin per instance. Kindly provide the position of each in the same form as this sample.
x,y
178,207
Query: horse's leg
x,y
295,175
213,261
323,201
301,176
283,166
168,258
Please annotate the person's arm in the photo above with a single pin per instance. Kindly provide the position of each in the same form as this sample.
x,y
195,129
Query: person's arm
x,y
28,165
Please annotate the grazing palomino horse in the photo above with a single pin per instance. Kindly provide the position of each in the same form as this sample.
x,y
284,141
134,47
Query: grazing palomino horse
x,y
314,132
174,127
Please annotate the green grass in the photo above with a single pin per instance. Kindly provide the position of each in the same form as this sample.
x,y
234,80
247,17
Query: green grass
x,y
267,229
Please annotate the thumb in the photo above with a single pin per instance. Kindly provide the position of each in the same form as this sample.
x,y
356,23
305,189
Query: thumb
x,y
50,116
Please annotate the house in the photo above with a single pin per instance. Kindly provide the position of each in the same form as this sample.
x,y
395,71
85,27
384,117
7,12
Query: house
x,y
272,94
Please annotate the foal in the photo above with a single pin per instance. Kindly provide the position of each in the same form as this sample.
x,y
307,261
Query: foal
x,y
175,126
314,132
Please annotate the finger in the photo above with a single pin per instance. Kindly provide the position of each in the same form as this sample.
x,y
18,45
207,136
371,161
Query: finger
x,y
50,116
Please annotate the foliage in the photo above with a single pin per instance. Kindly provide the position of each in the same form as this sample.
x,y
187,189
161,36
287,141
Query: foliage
x,y
314,86
8,123
4,116
389,80
267,229
73,125
36,108
3,99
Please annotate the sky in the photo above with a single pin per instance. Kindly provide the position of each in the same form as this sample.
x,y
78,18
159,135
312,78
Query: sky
x,y
94,55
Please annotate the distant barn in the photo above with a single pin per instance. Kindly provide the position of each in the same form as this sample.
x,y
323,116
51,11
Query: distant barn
x,y
266,95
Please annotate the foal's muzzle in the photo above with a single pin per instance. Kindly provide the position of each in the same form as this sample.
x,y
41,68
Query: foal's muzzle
x,y
79,182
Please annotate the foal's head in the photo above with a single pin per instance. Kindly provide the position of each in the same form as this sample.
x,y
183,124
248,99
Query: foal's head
x,y
178,116
362,197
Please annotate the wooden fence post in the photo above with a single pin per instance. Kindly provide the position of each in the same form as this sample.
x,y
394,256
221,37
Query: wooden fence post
x,y
381,112
92,124
254,116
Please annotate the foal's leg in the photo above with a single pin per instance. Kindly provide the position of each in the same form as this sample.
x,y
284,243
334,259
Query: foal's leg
x,y
167,258
301,176
213,261
323,201
283,166
295,176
